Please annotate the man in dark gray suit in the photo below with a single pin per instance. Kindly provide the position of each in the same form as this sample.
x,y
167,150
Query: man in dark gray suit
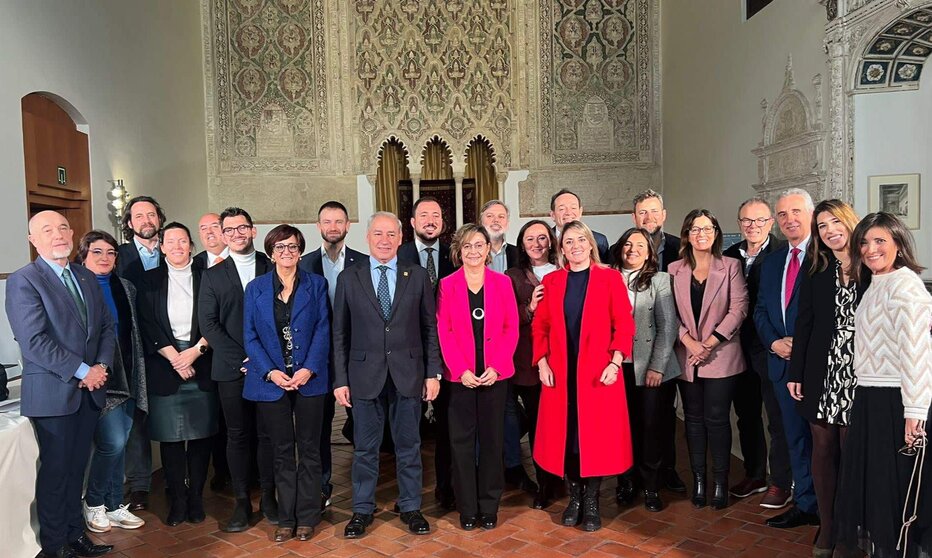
x,y
329,262
386,360
565,206
66,336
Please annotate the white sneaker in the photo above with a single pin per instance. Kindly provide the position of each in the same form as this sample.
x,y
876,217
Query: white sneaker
x,y
124,519
96,518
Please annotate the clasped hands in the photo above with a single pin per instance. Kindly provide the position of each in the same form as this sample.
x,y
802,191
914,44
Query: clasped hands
x,y
470,380
292,383
95,379
699,353
428,393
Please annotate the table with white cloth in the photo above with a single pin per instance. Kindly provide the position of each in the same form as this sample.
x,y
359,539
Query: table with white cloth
x,y
19,458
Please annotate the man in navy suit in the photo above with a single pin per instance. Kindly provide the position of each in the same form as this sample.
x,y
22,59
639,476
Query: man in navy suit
x,y
775,318
66,336
142,220
565,206
329,261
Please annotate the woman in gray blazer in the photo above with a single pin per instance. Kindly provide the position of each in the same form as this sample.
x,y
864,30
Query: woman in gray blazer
x,y
648,372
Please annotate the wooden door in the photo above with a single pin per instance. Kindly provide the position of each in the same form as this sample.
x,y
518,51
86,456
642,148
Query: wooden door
x,y
58,173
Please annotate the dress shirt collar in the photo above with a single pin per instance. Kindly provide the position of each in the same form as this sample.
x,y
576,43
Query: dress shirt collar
x,y
392,264
326,257
420,245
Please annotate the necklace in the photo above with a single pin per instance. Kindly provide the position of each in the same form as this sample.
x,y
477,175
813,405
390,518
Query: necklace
x,y
478,314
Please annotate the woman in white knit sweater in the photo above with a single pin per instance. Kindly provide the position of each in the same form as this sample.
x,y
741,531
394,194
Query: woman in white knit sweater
x,y
882,506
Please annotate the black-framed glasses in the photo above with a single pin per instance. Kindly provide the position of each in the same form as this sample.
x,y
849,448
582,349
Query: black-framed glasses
x,y
242,229
279,248
760,221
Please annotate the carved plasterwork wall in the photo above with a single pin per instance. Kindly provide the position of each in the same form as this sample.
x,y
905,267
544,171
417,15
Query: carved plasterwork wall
x,y
432,67
598,71
856,28
791,146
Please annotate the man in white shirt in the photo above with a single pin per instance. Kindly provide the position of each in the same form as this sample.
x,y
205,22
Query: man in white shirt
x,y
212,240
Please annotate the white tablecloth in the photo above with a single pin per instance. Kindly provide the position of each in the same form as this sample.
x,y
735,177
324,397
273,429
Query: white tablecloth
x,y
19,458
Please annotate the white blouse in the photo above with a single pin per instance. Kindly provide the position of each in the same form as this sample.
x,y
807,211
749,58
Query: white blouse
x,y
180,300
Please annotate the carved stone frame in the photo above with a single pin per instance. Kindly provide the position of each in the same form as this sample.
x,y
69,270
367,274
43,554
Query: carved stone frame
x,y
846,38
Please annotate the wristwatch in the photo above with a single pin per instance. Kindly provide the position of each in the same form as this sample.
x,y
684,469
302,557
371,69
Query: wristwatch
x,y
438,377
201,348
104,366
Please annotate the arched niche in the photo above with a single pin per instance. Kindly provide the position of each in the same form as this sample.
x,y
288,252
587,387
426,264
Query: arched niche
x,y
436,179
391,171
480,170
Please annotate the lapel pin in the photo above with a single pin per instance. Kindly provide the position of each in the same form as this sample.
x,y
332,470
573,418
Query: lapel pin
x,y
405,273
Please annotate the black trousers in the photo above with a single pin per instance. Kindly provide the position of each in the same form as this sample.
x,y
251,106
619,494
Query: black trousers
x,y
477,418
293,423
443,460
404,418
184,463
246,437
326,456
668,458
650,426
64,448
218,450
748,406
707,407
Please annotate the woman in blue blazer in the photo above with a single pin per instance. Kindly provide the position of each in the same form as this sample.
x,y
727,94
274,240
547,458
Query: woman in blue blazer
x,y
287,334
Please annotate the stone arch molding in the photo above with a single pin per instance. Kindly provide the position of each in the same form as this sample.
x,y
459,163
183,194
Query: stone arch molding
x,y
457,151
853,41
790,153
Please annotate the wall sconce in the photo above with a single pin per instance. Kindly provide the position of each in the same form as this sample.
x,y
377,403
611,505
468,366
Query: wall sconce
x,y
118,198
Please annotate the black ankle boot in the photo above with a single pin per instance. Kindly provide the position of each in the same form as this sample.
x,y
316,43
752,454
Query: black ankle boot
x,y
268,505
178,509
591,520
196,512
719,495
572,515
544,490
624,493
242,514
700,498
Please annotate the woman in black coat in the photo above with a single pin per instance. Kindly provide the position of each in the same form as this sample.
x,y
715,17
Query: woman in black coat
x,y
183,404
821,375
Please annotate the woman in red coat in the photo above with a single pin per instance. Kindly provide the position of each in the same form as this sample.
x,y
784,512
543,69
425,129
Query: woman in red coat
x,y
583,331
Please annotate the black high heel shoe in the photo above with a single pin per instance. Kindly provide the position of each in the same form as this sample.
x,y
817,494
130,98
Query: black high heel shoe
x,y
719,495
700,498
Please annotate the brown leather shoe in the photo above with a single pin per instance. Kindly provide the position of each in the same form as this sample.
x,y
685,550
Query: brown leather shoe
x,y
304,533
282,534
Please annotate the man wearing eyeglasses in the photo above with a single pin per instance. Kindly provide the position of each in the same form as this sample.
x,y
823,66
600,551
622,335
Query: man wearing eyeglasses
x,y
754,388
220,315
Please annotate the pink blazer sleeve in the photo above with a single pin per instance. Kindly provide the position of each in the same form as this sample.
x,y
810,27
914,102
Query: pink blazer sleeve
x,y
503,343
737,300
450,345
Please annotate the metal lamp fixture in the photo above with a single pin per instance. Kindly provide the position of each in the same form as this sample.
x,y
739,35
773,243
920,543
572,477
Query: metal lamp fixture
x,y
118,198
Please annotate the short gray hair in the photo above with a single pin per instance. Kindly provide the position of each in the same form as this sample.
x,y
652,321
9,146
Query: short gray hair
x,y
490,203
378,214
646,195
798,192
755,200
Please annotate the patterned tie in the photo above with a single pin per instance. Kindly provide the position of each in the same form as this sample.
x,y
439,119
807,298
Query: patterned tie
x,y
792,271
385,300
431,268
73,291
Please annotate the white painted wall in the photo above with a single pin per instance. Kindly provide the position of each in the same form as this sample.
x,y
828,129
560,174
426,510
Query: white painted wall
x,y
893,135
132,68
716,70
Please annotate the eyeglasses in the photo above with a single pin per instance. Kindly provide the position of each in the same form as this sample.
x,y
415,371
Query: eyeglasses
x,y
242,229
705,230
760,221
279,248
98,252
478,247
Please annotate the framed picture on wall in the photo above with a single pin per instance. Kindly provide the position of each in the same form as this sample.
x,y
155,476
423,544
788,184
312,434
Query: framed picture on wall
x,y
897,194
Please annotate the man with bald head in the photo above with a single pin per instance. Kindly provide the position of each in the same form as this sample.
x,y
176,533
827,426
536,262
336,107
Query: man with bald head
x,y
66,337
211,235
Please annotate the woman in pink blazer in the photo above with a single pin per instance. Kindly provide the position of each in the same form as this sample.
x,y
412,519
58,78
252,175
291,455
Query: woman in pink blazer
x,y
711,301
477,321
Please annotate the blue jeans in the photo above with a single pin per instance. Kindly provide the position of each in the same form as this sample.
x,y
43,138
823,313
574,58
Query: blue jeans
x,y
105,479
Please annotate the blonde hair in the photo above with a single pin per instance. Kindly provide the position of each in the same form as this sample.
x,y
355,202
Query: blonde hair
x,y
587,232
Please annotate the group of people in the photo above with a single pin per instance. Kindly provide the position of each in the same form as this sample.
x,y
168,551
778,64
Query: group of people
x,y
240,357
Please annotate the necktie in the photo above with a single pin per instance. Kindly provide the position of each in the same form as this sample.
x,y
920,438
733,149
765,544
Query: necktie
x,y
217,260
385,300
431,268
73,291
792,271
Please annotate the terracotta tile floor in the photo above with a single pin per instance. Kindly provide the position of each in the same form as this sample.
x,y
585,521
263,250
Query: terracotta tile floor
x,y
677,531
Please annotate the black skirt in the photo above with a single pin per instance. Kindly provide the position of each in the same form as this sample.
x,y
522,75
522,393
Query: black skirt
x,y
875,478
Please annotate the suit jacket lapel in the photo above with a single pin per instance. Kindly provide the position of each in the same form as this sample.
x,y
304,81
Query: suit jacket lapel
x,y
232,275
56,286
364,275
163,304
89,305
713,284
681,290
302,296
401,283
